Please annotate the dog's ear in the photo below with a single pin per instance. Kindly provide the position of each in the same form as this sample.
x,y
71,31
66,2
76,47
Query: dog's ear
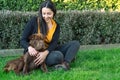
x,y
41,36
32,37
37,37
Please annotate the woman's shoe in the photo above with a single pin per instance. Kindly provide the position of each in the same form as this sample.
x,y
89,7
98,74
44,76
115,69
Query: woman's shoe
x,y
65,66
73,60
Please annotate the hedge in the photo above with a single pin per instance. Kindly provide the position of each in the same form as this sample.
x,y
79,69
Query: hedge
x,y
88,27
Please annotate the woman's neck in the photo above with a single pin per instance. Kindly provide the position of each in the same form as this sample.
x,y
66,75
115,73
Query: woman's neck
x,y
49,24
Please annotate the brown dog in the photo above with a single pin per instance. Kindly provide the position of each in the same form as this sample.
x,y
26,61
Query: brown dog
x,y
26,62
16,65
37,42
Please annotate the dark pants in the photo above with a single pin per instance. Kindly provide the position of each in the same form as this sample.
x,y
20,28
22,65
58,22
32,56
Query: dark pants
x,y
65,52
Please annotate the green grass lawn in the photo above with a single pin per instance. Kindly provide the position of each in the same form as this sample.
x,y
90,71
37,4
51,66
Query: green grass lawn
x,y
101,64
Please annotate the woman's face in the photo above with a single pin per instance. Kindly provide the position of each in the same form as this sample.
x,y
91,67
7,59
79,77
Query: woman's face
x,y
47,14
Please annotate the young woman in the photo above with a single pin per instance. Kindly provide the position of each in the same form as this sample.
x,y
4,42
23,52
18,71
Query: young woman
x,y
58,55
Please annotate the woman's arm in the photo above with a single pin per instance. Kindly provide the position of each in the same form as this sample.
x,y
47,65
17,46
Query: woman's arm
x,y
29,30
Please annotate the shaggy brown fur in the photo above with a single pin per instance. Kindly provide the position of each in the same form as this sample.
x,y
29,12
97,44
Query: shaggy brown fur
x,y
37,42
26,62
16,65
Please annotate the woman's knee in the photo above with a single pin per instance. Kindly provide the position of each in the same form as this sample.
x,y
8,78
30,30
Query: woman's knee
x,y
55,57
58,56
75,43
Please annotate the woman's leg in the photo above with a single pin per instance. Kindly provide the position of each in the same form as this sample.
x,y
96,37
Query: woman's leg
x,y
69,50
54,57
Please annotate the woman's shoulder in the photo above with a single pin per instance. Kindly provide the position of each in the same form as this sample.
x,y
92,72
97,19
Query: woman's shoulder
x,y
58,26
34,18
57,23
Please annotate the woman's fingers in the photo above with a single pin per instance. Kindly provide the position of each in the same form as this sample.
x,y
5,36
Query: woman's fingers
x,y
32,51
38,60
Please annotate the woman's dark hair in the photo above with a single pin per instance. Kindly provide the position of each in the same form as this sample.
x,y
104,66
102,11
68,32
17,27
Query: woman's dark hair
x,y
48,4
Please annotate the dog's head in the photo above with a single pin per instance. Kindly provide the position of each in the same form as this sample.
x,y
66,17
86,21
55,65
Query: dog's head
x,y
37,41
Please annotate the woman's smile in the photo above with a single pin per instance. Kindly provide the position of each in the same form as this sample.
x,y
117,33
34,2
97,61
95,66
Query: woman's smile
x,y
47,14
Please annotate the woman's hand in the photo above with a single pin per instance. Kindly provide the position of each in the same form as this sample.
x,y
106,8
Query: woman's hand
x,y
32,51
41,56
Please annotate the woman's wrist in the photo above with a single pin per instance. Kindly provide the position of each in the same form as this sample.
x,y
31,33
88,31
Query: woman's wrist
x,y
29,47
46,51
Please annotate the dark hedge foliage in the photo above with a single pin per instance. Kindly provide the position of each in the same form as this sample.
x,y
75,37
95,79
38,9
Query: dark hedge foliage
x,y
88,27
